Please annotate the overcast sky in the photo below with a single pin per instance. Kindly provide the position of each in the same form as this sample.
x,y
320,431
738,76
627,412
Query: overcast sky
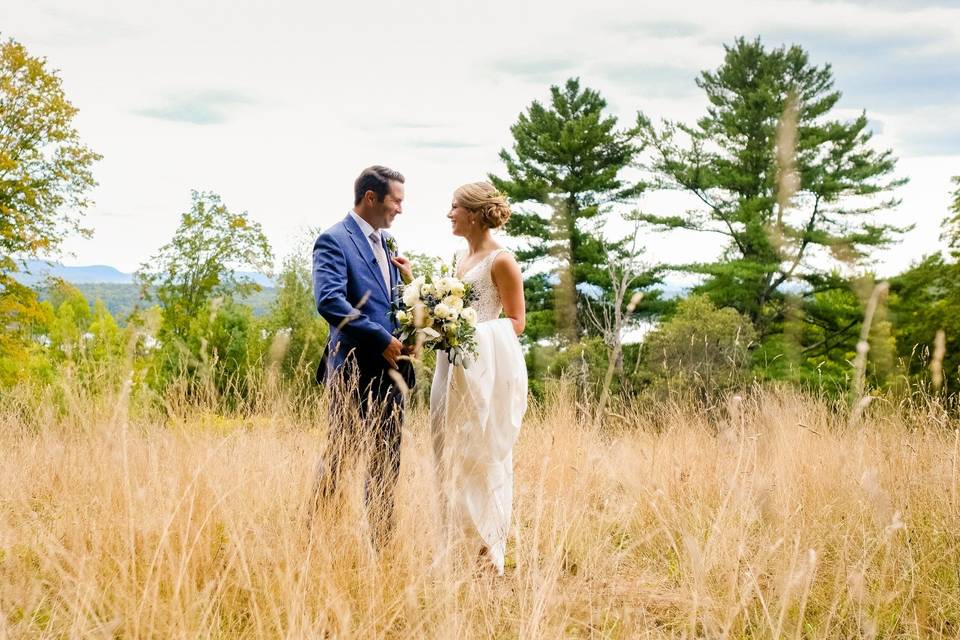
x,y
277,105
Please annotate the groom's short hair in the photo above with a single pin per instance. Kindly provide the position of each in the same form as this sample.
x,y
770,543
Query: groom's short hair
x,y
377,179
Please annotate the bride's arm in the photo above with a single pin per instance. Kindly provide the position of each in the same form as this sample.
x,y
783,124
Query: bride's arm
x,y
404,267
509,282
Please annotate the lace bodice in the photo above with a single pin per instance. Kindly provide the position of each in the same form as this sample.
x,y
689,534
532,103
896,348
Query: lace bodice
x,y
487,299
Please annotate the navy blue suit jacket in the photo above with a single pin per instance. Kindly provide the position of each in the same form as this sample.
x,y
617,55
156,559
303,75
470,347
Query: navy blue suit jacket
x,y
351,296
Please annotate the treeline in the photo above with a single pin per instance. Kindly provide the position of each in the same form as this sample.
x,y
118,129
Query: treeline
x,y
792,194
190,326
121,299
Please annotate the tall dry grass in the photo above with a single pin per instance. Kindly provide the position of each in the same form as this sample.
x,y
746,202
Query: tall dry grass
x,y
777,519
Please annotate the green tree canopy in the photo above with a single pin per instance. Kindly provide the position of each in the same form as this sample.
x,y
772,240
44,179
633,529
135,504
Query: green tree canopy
x,y
951,226
45,174
789,187
299,333
925,299
45,171
201,262
567,157
701,348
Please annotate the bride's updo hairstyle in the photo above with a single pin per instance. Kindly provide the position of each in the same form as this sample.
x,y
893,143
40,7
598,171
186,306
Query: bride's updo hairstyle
x,y
483,200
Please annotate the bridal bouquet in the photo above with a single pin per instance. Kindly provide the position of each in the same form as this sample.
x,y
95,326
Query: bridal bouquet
x,y
435,312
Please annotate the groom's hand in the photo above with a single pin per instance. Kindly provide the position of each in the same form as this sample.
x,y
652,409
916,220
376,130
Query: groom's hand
x,y
393,351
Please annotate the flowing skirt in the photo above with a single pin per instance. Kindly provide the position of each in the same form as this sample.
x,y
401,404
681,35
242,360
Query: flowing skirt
x,y
475,415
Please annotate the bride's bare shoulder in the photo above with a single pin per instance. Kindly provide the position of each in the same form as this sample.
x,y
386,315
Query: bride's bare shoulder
x,y
505,266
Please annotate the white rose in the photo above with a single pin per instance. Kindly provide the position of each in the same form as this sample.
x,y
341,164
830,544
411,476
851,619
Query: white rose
x,y
457,287
441,311
411,295
442,286
427,290
469,316
454,303
402,317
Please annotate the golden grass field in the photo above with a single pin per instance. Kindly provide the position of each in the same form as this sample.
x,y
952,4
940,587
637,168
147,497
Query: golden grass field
x,y
777,520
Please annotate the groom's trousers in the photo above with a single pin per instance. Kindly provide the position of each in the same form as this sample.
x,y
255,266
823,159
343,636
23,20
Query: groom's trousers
x,y
366,420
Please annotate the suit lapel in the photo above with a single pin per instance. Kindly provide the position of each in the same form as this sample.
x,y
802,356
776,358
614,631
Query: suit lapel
x,y
363,246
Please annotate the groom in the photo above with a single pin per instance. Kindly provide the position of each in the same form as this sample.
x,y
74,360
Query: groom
x,y
355,284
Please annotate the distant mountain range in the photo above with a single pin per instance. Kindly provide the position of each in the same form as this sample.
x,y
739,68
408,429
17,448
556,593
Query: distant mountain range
x,y
121,295
37,271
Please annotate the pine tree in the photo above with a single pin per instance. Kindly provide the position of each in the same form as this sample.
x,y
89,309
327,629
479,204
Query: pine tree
x,y
951,226
567,158
790,188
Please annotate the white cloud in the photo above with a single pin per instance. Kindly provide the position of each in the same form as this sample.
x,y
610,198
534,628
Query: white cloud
x,y
297,97
198,107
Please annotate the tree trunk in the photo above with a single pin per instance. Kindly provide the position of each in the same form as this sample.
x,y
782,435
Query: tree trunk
x,y
565,293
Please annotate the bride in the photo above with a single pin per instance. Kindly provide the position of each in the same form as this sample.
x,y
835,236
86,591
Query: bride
x,y
476,412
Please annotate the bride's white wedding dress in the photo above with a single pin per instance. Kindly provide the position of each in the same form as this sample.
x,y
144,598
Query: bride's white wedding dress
x,y
475,416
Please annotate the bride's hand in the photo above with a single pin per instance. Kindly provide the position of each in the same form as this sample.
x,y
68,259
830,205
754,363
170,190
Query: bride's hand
x,y
405,267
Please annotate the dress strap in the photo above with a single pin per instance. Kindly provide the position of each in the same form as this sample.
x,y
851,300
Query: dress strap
x,y
493,254
488,262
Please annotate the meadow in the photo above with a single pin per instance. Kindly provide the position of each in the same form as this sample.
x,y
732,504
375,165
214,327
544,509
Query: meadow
x,y
158,447
774,516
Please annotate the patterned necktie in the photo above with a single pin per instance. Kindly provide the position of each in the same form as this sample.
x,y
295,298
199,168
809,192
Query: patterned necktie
x,y
381,257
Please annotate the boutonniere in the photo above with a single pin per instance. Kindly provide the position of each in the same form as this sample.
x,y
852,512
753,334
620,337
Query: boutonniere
x,y
392,244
